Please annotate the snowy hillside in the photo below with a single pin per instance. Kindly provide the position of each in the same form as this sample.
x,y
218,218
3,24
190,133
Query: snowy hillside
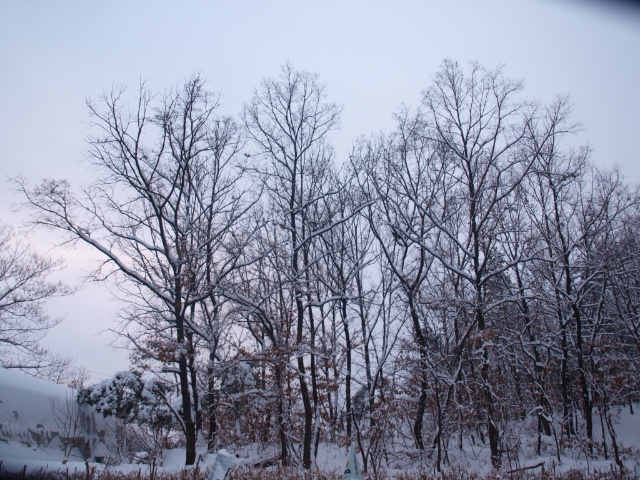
x,y
42,426
41,420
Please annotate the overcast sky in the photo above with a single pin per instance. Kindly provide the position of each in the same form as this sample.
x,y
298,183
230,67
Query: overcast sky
x,y
372,55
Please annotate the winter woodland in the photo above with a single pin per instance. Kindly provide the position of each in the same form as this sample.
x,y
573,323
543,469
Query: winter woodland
x,y
468,280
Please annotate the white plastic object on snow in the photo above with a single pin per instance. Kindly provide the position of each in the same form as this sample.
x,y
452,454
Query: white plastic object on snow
x,y
221,466
352,470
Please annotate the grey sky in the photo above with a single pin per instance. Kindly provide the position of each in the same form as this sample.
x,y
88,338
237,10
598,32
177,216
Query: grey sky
x,y
373,56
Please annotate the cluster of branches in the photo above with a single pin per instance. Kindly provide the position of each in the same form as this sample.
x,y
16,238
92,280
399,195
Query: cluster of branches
x,y
465,275
25,286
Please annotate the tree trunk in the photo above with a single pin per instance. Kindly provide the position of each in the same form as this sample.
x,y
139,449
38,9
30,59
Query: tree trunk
x,y
586,394
193,377
211,407
347,336
422,347
183,366
282,431
190,430
492,428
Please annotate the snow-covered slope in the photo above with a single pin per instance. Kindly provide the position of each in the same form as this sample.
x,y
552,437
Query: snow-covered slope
x,y
32,434
39,418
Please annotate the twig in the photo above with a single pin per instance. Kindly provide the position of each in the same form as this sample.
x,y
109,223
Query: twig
x,y
530,467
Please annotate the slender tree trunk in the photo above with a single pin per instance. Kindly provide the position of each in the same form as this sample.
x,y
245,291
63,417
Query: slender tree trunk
x,y
586,394
193,377
422,399
438,438
365,341
347,379
567,418
282,428
614,441
212,417
492,427
212,404
187,417
312,365
538,379
304,391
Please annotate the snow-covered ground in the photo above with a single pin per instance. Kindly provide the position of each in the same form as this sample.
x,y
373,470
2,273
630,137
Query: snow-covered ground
x,y
36,417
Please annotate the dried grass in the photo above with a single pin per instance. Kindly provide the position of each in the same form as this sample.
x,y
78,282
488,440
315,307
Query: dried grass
x,y
297,474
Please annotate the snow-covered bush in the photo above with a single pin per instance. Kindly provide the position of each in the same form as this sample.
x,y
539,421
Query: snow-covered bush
x,y
129,397
237,386
142,410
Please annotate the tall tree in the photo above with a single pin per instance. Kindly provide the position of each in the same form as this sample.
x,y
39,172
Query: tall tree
x,y
149,211
454,166
288,120
398,176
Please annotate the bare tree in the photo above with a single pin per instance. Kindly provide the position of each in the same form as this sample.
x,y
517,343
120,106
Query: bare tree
x,y
154,212
580,214
482,128
24,288
467,273
67,417
288,120
397,175
445,178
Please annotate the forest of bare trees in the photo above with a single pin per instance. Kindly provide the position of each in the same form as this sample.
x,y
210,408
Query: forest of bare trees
x,y
469,278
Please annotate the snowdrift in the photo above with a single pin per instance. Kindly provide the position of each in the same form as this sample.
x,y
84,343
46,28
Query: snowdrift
x,y
40,419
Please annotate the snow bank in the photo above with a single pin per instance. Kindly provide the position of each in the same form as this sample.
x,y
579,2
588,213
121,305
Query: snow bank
x,y
38,419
